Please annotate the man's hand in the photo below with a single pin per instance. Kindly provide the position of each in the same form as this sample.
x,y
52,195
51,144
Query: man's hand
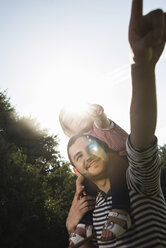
x,y
80,205
147,34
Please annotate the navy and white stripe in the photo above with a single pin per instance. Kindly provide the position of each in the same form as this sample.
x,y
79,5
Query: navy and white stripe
x,y
148,207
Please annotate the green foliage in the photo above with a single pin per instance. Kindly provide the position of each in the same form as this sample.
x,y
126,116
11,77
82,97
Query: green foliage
x,y
36,184
162,152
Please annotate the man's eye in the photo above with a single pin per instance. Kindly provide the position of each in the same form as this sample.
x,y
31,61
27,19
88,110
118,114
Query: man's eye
x,y
78,157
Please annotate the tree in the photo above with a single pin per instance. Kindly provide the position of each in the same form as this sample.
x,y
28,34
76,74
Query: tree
x,y
36,184
162,152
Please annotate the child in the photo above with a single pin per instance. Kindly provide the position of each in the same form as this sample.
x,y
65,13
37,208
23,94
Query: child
x,y
95,123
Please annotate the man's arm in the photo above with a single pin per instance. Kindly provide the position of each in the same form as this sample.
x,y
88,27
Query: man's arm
x,y
147,39
80,205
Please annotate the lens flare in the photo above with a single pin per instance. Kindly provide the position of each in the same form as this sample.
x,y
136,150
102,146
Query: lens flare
x,y
94,149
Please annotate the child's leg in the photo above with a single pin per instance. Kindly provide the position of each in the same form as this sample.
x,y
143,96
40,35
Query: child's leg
x,y
117,224
118,219
90,189
87,218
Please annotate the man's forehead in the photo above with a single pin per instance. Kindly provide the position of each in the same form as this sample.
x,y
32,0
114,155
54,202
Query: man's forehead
x,y
78,146
80,142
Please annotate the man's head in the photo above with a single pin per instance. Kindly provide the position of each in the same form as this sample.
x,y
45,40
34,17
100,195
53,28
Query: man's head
x,y
89,155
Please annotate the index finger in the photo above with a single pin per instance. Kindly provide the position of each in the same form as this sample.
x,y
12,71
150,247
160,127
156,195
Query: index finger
x,y
79,187
136,11
79,181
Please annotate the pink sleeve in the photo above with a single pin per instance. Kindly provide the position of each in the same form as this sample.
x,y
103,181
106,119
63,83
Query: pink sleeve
x,y
114,137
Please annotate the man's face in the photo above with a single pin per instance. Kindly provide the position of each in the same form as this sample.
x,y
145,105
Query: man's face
x,y
88,157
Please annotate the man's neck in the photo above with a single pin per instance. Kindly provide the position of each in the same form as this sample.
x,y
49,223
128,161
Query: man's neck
x,y
104,184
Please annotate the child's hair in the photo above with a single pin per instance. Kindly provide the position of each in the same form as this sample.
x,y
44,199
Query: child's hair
x,y
73,139
63,116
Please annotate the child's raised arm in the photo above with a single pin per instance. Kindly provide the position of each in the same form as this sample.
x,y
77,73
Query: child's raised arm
x,y
96,112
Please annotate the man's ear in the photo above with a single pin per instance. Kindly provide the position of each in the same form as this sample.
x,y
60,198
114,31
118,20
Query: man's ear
x,y
76,171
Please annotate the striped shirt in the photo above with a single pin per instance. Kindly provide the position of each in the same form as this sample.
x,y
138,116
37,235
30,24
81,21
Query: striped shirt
x,y
148,207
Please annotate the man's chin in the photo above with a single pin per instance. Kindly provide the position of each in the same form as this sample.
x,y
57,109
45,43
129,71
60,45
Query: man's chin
x,y
94,174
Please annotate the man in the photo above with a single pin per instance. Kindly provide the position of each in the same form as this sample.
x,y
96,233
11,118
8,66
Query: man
x,y
147,36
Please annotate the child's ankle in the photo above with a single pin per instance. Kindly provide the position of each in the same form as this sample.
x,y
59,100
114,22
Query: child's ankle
x,y
120,211
81,230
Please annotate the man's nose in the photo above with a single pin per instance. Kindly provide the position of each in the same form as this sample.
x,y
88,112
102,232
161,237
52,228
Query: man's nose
x,y
87,157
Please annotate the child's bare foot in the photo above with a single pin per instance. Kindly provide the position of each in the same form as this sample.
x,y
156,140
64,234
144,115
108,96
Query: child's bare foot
x,y
80,236
118,223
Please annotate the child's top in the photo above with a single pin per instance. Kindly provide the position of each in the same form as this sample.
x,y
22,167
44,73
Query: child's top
x,y
114,136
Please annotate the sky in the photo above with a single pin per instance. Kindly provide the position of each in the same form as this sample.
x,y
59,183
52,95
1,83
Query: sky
x,y
54,51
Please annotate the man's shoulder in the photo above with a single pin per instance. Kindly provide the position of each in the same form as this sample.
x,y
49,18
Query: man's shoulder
x,y
149,151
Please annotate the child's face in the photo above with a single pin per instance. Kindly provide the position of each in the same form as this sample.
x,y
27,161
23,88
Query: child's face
x,y
81,125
